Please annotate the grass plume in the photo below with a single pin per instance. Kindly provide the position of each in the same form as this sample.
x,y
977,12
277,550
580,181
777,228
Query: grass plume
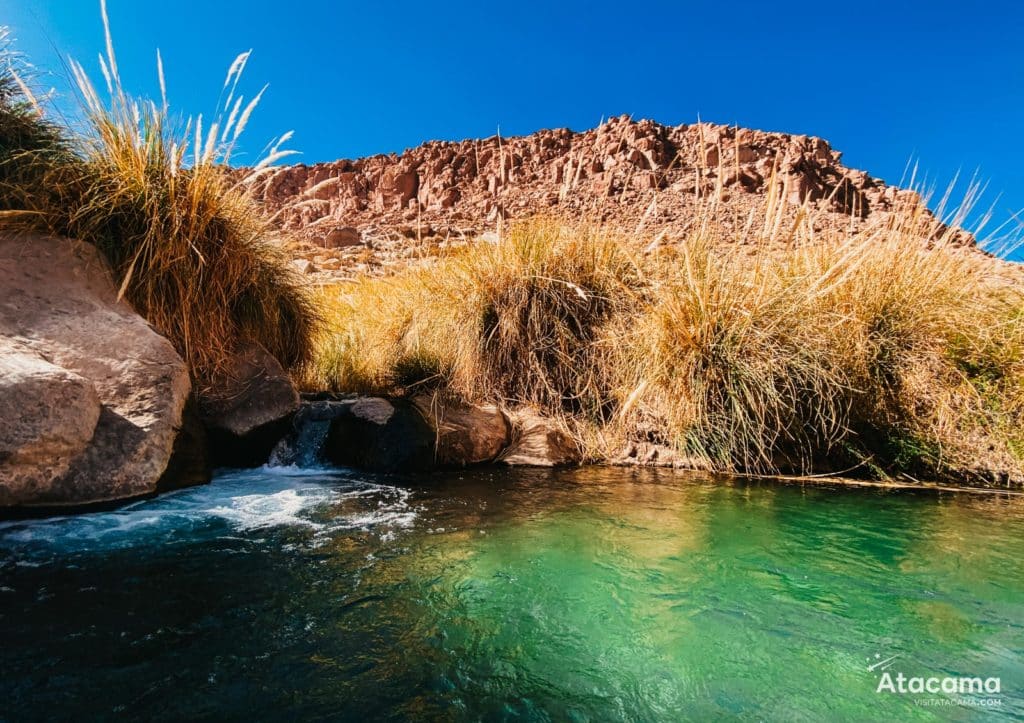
x,y
191,249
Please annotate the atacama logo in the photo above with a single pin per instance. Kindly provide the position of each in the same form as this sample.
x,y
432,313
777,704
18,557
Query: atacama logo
x,y
967,690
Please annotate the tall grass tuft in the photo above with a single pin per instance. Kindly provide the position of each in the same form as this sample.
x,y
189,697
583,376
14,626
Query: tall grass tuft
x,y
30,145
520,321
849,350
533,310
192,250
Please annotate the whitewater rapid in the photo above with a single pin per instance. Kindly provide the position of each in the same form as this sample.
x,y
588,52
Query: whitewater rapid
x,y
312,501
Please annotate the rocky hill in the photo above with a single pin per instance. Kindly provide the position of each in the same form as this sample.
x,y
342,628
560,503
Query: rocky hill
x,y
638,175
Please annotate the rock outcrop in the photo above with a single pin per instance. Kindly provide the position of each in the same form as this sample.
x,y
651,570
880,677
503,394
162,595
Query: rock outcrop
x,y
402,435
91,398
371,213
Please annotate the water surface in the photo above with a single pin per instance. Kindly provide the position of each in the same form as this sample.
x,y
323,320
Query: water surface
x,y
591,594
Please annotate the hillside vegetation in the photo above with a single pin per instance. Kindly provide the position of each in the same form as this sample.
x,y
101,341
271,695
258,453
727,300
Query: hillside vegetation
x,y
872,350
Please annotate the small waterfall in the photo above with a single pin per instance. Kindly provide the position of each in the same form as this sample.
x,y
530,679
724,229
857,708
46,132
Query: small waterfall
x,y
369,433
303,447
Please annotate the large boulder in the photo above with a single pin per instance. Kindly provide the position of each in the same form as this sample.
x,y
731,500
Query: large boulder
x,y
91,398
465,433
539,441
248,407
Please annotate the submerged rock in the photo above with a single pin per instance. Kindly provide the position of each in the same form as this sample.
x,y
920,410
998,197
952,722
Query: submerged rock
x,y
91,398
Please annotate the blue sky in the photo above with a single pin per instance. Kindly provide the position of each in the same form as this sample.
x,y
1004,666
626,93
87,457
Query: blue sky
x,y
938,82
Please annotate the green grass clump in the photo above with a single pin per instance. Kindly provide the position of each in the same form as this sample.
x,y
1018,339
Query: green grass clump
x,y
191,249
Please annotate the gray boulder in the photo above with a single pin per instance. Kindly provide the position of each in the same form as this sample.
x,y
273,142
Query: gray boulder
x,y
91,398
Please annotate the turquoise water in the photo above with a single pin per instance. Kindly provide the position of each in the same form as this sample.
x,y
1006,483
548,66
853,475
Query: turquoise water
x,y
590,594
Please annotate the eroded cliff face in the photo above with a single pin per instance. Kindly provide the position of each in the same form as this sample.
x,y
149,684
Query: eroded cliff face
x,y
636,175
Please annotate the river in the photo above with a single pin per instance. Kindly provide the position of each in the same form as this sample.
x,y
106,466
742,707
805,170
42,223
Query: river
x,y
588,594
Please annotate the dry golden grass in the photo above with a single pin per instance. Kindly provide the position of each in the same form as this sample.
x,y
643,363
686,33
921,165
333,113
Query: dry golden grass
x,y
852,348
191,249
520,321
873,349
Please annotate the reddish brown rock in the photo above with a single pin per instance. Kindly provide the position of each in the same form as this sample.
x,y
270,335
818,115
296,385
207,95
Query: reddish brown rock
x,y
465,433
341,237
